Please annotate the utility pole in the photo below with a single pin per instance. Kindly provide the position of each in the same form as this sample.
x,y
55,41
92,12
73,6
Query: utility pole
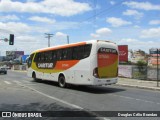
x,y
157,68
68,39
48,35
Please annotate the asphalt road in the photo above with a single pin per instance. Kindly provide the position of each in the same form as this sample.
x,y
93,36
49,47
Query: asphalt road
x,y
20,93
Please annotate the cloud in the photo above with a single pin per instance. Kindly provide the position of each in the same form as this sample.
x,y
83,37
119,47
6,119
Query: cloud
x,y
102,32
42,19
15,27
112,2
142,5
134,13
60,38
57,7
66,25
27,29
117,22
9,18
136,44
127,40
30,43
136,26
150,33
26,38
60,35
11,27
154,22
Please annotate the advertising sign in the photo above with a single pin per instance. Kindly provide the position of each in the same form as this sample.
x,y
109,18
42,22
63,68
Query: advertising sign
x,y
123,53
14,54
24,57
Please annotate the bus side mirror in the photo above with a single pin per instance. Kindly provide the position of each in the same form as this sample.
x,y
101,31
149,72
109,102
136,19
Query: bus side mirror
x,y
11,39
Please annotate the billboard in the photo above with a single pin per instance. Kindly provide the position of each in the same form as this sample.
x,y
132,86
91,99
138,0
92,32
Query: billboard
x,y
123,53
14,54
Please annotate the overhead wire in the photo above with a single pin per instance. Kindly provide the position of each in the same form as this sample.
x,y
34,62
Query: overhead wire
x,y
105,11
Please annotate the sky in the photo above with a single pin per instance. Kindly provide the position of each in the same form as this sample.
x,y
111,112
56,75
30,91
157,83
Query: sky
x,y
135,23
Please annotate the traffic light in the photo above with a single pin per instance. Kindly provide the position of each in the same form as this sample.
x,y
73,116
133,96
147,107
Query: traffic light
x,y
11,39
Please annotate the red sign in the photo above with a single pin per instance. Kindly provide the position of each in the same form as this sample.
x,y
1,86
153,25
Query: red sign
x,y
123,53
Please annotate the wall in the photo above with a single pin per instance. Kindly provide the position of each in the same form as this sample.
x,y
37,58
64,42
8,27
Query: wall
x,y
125,71
145,73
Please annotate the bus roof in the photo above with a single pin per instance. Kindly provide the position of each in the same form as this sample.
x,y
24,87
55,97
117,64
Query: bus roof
x,y
69,45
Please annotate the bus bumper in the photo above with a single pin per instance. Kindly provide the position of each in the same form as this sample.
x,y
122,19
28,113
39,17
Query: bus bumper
x,y
108,81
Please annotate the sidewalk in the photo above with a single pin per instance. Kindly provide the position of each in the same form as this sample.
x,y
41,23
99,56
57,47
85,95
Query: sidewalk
x,y
152,85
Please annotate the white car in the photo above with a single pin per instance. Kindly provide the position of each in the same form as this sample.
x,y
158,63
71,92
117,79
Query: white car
x,y
3,70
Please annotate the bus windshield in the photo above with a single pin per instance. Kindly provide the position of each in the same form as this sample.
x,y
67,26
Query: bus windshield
x,y
29,60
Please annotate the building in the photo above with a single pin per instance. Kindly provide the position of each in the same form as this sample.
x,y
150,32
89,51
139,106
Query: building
x,y
130,55
139,55
2,58
154,54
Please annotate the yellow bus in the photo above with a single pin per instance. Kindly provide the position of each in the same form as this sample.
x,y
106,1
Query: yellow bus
x,y
92,62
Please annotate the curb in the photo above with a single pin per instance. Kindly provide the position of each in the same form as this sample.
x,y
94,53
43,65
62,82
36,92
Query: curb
x,y
142,87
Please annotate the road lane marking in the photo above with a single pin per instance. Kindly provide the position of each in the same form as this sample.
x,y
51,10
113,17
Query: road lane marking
x,y
7,82
54,98
147,101
26,81
17,82
62,101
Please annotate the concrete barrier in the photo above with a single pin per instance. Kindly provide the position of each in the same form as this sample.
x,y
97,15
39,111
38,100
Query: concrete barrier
x,y
19,67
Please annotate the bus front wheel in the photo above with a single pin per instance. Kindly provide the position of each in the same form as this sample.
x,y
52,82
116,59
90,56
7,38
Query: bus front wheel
x,y
61,81
34,76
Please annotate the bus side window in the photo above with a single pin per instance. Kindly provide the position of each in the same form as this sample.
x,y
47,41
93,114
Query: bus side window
x,y
39,57
64,54
80,52
47,56
43,57
59,54
54,55
75,53
50,56
87,50
69,53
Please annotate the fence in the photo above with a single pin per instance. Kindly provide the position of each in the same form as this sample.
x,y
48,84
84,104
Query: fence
x,y
144,73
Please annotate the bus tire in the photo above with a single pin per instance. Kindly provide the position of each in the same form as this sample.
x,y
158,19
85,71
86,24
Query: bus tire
x,y
34,76
62,81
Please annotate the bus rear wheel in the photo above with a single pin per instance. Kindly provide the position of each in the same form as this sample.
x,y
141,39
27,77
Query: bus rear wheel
x,y
62,81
